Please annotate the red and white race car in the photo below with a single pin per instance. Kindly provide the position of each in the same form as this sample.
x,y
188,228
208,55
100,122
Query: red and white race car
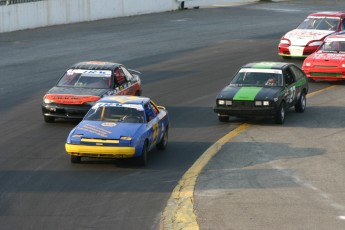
x,y
328,62
309,35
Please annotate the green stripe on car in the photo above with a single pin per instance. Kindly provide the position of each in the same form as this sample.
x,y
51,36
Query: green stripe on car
x,y
247,93
316,74
264,65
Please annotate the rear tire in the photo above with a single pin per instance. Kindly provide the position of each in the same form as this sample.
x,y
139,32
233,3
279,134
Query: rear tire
x,y
49,119
75,159
142,160
280,115
301,104
223,118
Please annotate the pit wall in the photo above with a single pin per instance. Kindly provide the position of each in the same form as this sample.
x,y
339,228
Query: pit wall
x,y
56,12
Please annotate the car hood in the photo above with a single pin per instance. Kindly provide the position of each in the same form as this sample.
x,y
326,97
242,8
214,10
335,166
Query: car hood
x,y
300,37
249,93
320,58
106,130
77,91
74,96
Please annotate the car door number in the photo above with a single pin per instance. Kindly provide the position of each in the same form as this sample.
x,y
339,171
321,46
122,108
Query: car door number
x,y
291,94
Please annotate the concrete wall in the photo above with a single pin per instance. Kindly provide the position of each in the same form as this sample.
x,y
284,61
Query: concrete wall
x,y
55,12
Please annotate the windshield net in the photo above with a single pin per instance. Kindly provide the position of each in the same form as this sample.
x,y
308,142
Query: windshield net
x,y
333,46
258,77
93,79
320,23
112,112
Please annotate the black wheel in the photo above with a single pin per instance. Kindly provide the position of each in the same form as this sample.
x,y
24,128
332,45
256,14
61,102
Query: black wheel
x,y
75,159
138,93
163,143
182,5
49,119
301,104
280,115
142,160
310,79
223,118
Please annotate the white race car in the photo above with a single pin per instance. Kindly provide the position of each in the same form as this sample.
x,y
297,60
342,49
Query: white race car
x,y
310,34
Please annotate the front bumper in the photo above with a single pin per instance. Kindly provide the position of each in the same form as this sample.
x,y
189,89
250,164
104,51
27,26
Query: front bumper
x,y
325,74
65,111
296,51
246,111
100,151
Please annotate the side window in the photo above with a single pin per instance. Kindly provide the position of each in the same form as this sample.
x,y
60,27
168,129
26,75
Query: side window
x,y
119,77
128,75
149,112
343,24
289,77
297,72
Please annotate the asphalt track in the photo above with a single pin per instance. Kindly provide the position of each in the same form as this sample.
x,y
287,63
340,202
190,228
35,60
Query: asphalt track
x,y
186,57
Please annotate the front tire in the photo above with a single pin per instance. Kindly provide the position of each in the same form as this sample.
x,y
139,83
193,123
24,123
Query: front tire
x,y
49,119
301,104
75,159
142,160
280,115
223,118
163,143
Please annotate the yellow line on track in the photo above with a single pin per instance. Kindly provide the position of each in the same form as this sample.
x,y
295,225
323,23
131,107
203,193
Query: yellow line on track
x,y
320,91
179,211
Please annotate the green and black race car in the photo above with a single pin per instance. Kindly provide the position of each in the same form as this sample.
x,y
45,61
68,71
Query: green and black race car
x,y
263,89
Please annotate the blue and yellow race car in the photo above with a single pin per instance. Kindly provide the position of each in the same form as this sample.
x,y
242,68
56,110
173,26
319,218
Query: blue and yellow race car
x,y
120,127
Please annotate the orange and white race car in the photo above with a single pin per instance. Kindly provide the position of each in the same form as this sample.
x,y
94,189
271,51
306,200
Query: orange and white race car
x,y
83,84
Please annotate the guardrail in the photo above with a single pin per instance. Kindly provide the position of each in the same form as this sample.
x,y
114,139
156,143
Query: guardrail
x,y
10,2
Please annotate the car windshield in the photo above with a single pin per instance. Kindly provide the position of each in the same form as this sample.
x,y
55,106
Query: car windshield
x,y
114,112
93,79
333,47
258,77
320,23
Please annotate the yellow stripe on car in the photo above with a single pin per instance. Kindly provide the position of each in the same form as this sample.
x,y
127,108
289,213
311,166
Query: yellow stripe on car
x,y
87,150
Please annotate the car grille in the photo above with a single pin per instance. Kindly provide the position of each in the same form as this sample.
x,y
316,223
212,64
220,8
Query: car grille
x,y
316,74
243,104
325,66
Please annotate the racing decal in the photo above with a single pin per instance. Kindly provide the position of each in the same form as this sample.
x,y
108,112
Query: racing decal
x,y
307,34
260,69
265,65
70,99
90,73
96,130
108,124
291,94
155,128
124,100
247,93
330,56
138,107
